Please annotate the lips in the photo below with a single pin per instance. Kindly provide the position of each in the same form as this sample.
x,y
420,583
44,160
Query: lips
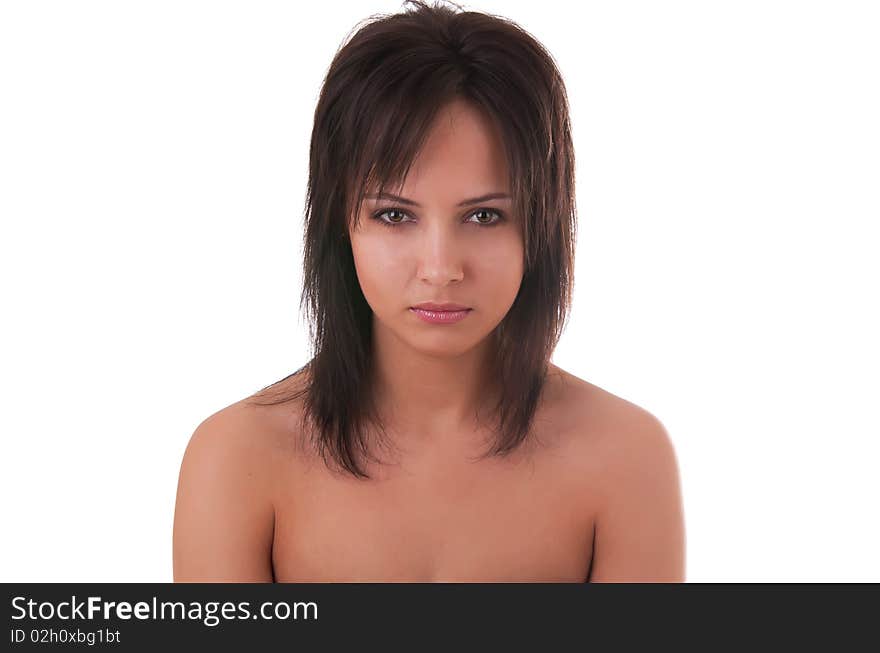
x,y
446,313
440,306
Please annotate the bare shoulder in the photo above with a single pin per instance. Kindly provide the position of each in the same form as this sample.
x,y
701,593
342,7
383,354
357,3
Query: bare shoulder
x,y
224,513
241,427
600,420
628,461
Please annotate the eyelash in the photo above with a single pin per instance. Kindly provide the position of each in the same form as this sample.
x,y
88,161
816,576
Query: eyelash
x,y
377,218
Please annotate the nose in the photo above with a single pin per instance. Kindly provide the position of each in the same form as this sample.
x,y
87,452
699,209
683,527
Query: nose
x,y
441,257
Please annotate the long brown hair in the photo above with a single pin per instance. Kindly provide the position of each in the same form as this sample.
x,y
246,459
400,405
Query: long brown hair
x,y
377,103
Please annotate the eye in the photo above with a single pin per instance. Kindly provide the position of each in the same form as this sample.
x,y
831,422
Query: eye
x,y
491,212
378,216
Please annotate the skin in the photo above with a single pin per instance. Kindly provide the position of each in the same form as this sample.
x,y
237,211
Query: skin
x,y
596,497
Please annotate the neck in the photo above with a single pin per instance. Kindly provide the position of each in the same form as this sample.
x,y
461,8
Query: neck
x,y
430,397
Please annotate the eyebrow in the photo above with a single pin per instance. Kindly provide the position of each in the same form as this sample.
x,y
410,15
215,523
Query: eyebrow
x,y
467,202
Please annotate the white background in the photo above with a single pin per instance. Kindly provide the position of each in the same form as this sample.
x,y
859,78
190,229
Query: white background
x,y
153,162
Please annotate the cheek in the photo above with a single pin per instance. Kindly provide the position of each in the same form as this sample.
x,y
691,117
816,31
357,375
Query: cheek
x,y
380,268
499,267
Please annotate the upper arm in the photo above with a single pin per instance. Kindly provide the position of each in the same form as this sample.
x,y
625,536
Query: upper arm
x,y
640,529
223,517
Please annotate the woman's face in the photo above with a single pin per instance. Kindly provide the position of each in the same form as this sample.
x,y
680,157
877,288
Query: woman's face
x,y
437,249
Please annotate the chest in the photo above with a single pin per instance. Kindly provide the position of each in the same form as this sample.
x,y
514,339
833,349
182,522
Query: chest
x,y
451,524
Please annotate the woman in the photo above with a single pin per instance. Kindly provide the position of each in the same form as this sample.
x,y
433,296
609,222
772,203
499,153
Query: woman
x,y
430,438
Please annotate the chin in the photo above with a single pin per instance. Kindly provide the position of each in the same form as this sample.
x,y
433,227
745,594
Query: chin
x,y
444,345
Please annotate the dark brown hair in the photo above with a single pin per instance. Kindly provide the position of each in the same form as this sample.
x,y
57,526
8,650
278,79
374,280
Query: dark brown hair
x,y
378,100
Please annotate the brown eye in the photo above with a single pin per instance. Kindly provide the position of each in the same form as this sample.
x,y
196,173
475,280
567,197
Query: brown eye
x,y
494,217
391,222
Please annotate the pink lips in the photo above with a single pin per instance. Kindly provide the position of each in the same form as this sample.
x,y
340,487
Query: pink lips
x,y
436,313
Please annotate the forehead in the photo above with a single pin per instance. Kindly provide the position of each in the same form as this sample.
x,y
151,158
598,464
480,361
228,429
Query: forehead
x,y
463,154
